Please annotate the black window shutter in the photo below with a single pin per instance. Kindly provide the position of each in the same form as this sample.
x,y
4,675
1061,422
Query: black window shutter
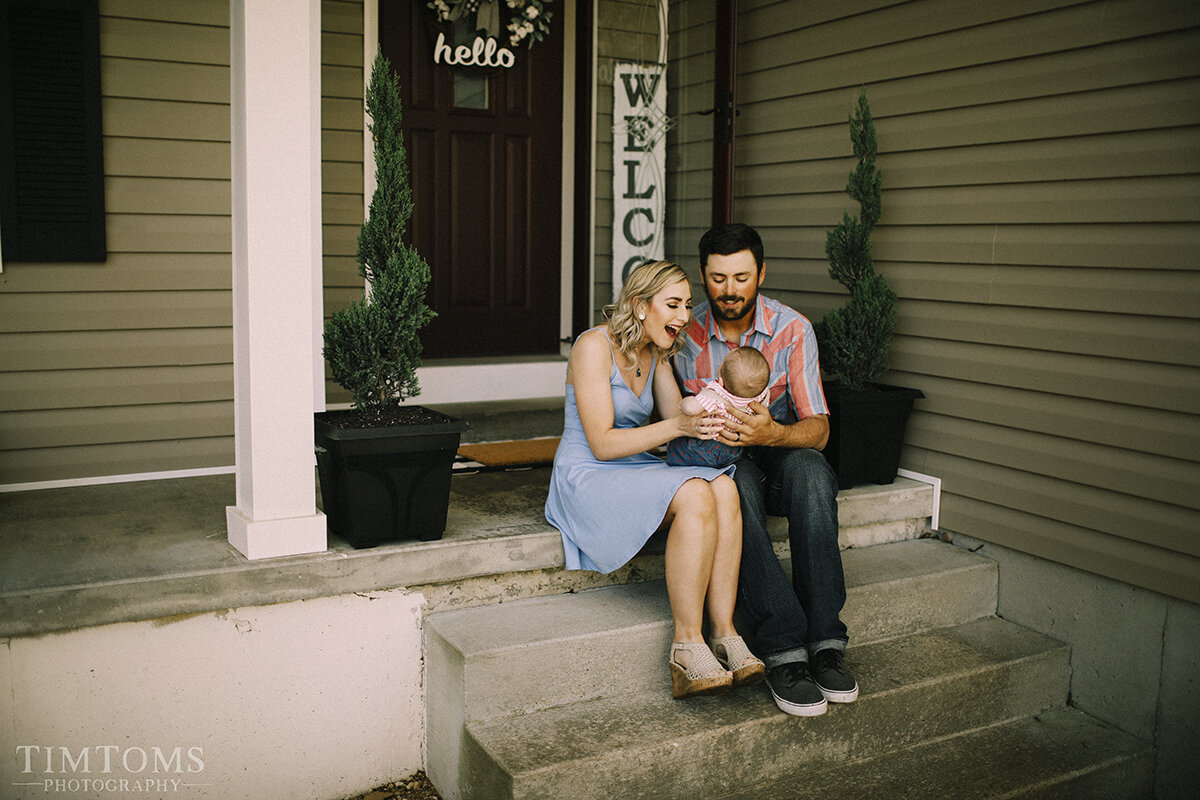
x,y
51,148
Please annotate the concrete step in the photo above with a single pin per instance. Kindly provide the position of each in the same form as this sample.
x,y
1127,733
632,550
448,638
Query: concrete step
x,y
622,632
525,656
869,515
916,688
1061,754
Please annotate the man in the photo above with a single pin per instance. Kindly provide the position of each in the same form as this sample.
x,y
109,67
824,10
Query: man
x,y
795,627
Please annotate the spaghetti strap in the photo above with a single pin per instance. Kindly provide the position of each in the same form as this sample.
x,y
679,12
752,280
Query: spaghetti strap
x,y
611,352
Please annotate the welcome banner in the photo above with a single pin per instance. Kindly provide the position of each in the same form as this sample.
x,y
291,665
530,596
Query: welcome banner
x,y
639,166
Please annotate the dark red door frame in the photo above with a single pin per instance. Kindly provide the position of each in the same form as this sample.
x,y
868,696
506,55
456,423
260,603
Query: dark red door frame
x,y
581,311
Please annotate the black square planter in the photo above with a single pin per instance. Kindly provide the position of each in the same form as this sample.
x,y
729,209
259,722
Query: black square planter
x,y
387,483
866,431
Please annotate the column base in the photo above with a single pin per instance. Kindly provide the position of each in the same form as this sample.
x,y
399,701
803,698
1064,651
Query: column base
x,y
272,538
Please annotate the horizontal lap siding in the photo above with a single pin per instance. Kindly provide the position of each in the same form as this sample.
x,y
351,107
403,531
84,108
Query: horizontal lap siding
x,y
1041,225
126,366
342,79
691,61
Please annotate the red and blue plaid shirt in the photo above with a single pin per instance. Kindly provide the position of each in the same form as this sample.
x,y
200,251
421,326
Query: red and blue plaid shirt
x,y
782,335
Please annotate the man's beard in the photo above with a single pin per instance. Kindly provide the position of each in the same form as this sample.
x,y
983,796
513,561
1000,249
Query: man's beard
x,y
737,312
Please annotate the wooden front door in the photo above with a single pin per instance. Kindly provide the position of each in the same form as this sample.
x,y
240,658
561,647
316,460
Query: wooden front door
x,y
485,152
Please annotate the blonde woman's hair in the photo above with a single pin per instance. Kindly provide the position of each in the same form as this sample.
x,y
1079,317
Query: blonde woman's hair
x,y
642,284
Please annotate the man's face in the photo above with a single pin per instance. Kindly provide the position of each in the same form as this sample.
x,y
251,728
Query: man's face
x,y
732,284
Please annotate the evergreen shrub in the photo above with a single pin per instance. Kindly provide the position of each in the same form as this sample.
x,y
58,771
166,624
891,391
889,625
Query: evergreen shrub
x,y
854,340
374,346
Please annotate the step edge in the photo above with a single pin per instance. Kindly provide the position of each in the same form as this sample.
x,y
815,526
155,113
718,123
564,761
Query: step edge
x,y
449,624
1050,649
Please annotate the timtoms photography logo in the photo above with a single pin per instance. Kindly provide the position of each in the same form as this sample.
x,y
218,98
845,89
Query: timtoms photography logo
x,y
108,768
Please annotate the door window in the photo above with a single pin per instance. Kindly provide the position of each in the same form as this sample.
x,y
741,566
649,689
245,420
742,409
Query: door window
x,y
471,88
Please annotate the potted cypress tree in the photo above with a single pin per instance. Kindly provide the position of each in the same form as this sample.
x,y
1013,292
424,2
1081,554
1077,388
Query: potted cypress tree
x,y
867,419
384,467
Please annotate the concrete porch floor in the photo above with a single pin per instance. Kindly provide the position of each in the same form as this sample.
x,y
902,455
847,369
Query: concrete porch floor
x,y
92,555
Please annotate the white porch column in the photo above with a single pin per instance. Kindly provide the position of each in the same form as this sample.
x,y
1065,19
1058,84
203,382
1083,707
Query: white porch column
x,y
276,163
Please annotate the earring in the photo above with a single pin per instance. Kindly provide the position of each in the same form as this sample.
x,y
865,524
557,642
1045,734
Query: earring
x,y
641,316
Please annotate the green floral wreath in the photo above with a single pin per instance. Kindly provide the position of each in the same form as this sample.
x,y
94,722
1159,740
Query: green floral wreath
x,y
529,21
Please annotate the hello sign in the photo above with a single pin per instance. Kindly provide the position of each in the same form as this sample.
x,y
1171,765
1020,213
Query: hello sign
x,y
639,166
481,53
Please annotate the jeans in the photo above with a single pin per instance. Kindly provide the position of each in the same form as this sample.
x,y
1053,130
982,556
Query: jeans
x,y
788,621
685,451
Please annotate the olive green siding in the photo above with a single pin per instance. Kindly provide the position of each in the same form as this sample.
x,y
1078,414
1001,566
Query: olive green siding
x,y
690,67
342,80
1041,225
126,366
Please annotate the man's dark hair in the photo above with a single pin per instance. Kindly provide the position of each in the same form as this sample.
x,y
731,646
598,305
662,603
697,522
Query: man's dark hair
x,y
730,238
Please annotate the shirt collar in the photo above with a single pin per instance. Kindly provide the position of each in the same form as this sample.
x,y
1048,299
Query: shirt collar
x,y
761,323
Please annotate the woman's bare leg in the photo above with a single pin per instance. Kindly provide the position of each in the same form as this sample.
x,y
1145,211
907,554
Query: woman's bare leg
x,y
727,557
691,543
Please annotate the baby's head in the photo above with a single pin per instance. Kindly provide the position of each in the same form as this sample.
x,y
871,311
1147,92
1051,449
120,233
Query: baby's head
x,y
745,372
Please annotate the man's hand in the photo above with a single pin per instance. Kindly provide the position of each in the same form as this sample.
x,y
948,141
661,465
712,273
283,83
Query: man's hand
x,y
758,428
749,429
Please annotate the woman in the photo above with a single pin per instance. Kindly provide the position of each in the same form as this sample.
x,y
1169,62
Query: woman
x,y
608,495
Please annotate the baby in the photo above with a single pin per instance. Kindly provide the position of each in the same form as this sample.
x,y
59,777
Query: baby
x,y
742,380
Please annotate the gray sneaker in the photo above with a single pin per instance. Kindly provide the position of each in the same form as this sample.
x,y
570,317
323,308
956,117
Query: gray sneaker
x,y
832,678
794,690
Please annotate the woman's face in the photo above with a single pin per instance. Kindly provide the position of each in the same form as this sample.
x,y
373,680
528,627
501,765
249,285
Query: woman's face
x,y
666,314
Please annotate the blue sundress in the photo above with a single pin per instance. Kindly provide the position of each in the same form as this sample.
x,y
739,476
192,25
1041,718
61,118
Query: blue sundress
x,y
607,510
